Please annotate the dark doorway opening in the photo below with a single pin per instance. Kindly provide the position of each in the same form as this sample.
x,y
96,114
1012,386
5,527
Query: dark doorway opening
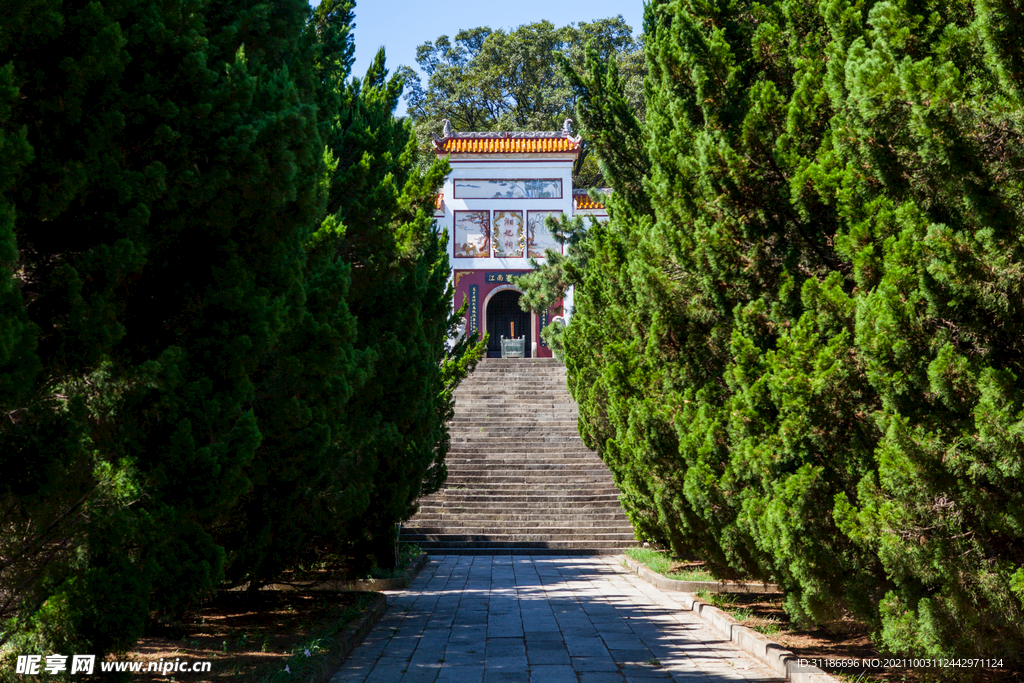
x,y
503,317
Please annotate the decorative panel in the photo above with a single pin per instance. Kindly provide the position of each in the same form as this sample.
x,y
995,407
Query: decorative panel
x,y
508,188
509,234
472,234
540,237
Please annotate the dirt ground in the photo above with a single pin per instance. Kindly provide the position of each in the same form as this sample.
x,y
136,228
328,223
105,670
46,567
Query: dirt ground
x,y
843,639
251,637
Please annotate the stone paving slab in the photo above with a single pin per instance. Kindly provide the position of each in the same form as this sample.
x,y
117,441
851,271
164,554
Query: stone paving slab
x,y
541,619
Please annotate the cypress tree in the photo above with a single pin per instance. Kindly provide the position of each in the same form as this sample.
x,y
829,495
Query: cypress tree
x,y
381,222
928,166
161,227
306,486
796,343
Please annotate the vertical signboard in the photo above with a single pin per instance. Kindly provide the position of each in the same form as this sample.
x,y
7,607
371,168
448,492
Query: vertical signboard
x,y
474,310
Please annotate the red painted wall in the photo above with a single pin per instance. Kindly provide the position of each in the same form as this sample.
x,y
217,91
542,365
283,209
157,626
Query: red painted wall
x,y
465,278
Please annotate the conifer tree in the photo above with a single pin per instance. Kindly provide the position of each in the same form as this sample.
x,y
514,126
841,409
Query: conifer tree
x,y
928,170
796,341
381,222
160,229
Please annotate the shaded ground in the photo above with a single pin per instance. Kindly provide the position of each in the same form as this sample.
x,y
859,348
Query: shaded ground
x,y
251,637
541,619
841,639
844,639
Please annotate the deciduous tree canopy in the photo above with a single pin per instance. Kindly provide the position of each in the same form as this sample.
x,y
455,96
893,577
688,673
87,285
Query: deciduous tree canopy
x,y
492,80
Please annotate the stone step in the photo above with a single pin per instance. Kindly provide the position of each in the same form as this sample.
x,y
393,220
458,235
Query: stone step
x,y
522,521
503,390
460,476
512,462
471,452
498,496
467,540
506,444
518,463
520,479
484,481
514,434
466,451
516,507
493,382
512,550
501,469
542,492
534,532
496,542
533,503
540,418
535,527
526,432
478,440
558,425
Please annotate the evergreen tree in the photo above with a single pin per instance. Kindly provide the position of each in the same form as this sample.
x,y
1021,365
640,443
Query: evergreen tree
x,y
928,171
796,342
160,228
306,486
382,208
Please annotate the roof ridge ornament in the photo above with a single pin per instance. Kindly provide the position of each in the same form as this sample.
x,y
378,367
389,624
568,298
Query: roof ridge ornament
x,y
567,131
446,133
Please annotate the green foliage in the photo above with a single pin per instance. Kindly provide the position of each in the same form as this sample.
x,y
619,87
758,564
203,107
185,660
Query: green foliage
x,y
797,343
382,223
660,562
223,309
159,229
493,80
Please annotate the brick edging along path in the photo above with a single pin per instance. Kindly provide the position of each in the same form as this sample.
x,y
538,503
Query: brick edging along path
x,y
767,651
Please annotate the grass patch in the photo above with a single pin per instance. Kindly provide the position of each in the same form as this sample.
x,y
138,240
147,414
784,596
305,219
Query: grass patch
x,y
727,602
407,552
668,566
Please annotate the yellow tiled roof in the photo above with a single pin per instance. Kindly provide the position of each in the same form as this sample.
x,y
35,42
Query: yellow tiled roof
x,y
582,200
464,144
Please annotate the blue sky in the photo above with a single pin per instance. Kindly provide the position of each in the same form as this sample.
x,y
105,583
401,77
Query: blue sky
x,y
401,25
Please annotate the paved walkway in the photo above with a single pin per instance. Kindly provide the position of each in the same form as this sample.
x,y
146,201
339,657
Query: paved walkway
x,y
541,619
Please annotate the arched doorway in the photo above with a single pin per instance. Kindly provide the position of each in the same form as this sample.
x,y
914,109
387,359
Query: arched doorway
x,y
505,318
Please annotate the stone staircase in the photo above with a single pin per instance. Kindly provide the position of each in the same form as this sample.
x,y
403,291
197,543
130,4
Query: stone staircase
x,y
520,480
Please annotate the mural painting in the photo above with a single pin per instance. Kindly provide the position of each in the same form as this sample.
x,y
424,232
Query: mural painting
x,y
540,237
511,188
509,234
472,230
